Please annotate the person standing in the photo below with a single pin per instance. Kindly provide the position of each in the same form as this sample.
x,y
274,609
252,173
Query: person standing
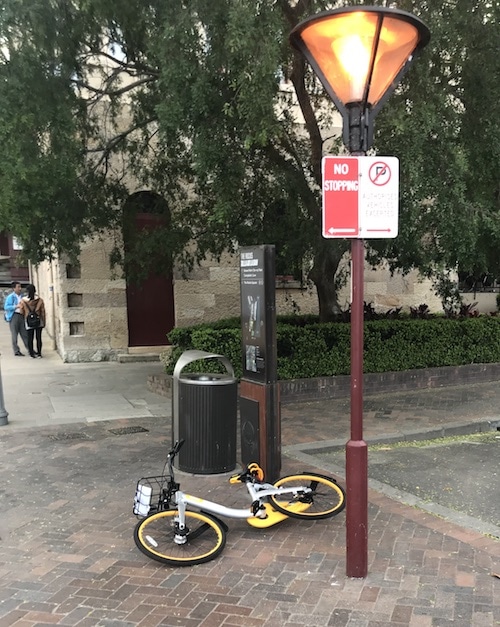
x,y
33,304
14,317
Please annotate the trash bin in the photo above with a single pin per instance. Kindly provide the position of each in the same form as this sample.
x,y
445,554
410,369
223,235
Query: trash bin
x,y
204,413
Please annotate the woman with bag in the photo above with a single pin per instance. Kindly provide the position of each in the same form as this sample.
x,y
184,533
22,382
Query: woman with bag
x,y
33,310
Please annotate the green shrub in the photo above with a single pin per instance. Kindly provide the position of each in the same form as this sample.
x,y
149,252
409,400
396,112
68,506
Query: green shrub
x,y
224,341
315,349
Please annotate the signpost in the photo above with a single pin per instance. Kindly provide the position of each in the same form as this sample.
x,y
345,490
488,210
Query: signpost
x,y
360,197
259,388
360,201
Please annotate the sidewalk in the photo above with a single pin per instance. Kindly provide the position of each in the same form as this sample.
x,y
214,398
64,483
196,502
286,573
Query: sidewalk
x,y
48,392
67,555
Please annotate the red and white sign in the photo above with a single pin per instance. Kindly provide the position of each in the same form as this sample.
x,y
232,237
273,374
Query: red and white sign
x,y
360,197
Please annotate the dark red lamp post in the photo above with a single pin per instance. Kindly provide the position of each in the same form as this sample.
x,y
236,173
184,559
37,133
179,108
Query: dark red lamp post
x,y
360,55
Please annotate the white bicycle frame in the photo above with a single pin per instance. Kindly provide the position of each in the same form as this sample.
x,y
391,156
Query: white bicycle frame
x,y
257,494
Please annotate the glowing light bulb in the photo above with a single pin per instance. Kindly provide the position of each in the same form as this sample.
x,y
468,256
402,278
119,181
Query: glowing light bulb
x,y
354,57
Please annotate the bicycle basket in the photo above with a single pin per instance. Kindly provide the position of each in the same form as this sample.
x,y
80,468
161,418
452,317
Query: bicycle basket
x,y
151,495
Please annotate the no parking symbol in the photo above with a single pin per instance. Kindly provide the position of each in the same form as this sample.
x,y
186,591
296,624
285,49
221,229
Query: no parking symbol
x,y
380,173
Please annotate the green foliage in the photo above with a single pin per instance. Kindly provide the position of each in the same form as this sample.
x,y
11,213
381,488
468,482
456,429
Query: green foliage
x,y
101,99
441,123
318,350
220,341
50,196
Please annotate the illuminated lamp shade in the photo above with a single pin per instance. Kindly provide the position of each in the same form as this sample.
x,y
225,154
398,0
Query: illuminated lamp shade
x,y
360,53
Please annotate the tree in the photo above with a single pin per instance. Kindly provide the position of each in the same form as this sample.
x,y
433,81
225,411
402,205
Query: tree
x,y
198,101
442,123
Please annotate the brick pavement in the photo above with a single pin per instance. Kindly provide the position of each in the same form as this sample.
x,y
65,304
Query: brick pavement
x,y
431,412
67,555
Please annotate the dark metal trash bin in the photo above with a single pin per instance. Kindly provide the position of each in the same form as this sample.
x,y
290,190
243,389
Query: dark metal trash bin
x,y
204,414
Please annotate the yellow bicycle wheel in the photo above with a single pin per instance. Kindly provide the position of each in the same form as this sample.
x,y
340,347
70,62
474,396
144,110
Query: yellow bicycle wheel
x,y
158,537
313,497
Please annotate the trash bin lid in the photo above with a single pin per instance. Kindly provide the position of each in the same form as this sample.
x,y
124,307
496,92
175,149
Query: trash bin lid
x,y
194,355
206,378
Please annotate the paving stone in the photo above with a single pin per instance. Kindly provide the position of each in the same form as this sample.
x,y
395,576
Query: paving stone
x,y
67,549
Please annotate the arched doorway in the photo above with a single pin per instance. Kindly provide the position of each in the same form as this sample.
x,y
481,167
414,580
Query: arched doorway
x,y
148,272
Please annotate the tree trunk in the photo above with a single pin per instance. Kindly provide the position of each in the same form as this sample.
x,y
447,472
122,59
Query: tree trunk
x,y
322,274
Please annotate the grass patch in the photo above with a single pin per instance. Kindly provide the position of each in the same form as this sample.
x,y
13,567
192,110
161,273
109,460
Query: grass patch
x,y
470,438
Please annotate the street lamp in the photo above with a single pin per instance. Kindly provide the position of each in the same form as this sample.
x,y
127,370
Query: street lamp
x,y
360,55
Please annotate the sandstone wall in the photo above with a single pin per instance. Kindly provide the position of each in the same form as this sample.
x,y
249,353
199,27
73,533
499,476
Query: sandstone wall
x,y
87,312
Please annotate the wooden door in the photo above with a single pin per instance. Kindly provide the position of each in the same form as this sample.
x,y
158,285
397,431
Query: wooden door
x,y
150,304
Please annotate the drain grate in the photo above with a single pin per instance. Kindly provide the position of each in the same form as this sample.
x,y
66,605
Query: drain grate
x,y
127,430
69,436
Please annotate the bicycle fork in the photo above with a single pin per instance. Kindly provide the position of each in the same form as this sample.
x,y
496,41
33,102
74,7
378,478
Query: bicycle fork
x,y
181,531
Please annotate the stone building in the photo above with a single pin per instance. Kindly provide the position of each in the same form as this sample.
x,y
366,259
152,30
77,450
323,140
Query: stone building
x,y
94,316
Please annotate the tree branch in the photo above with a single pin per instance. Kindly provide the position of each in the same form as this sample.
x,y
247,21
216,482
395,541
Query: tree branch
x,y
114,141
298,80
116,92
295,173
134,68
293,14
297,76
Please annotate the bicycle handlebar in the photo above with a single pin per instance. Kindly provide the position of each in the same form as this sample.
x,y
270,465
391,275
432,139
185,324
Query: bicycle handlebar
x,y
171,455
176,448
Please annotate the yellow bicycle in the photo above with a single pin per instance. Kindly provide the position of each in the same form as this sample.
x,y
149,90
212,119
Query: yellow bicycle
x,y
170,533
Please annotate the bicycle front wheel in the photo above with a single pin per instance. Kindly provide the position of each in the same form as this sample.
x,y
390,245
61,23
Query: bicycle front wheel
x,y
158,537
314,496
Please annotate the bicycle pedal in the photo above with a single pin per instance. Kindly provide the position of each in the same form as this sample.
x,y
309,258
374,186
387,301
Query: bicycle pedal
x,y
272,518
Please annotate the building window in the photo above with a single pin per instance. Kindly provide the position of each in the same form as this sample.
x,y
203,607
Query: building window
x,y
75,300
481,283
73,271
77,328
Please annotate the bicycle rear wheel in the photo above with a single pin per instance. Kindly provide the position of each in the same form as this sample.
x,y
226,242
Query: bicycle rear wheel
x,y
314,498
157,536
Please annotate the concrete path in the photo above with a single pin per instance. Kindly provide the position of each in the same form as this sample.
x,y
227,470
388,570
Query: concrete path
x,y
48,392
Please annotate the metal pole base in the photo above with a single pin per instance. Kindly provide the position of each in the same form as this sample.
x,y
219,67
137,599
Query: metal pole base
x,y
357,508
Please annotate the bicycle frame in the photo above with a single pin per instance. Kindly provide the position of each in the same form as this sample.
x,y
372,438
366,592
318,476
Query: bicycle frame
x,y
257,493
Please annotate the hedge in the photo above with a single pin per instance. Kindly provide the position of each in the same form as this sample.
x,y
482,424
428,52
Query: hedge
x,y
316,350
